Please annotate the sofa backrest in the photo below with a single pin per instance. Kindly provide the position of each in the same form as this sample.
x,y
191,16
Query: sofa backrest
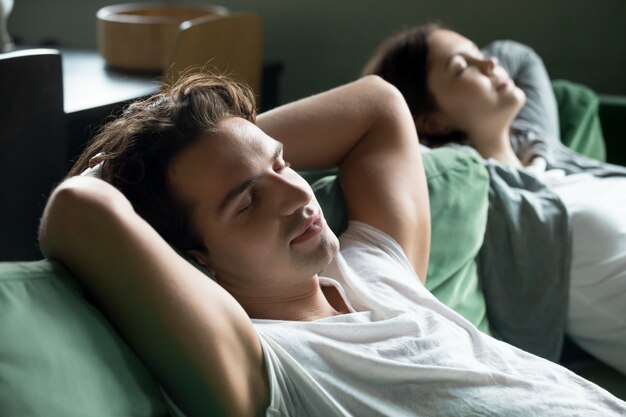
x,y
59,356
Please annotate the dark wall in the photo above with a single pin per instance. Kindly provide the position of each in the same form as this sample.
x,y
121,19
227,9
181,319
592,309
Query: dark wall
x,y
323,43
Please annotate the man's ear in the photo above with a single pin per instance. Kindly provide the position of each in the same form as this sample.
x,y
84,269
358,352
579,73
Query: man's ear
x,y
203,259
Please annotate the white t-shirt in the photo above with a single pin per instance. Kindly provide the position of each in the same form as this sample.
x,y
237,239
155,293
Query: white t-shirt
x,y
403,353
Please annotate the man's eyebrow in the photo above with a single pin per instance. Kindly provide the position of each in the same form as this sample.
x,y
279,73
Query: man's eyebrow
x,y
241,188
279,151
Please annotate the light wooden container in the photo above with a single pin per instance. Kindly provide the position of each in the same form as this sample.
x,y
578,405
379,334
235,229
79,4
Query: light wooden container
x,y
140,37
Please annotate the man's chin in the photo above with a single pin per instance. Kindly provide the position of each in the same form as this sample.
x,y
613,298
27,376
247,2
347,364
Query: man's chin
x,y
328,249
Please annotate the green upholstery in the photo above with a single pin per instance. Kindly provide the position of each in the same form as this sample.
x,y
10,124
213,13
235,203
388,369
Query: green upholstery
x,y
59,356
591,124
458,185
578,119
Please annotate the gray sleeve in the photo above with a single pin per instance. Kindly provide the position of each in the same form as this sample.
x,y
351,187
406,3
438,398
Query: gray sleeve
x,y
540,114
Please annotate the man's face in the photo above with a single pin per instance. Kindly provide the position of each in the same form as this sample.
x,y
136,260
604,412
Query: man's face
x,y
260,222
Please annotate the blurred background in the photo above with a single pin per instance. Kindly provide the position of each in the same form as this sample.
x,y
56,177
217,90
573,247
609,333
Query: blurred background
x,y
324,43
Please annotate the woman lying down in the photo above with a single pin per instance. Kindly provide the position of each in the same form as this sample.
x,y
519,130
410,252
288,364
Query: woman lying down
x,y
498,103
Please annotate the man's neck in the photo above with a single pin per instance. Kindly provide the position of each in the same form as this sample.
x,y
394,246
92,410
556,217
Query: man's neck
x,y
308,302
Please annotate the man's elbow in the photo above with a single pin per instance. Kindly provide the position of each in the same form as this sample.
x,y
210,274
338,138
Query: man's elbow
x,y
73,204
387,92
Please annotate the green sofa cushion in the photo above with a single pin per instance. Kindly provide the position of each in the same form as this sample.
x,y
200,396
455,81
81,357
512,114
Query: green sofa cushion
x,y
579,119
458,185
59,356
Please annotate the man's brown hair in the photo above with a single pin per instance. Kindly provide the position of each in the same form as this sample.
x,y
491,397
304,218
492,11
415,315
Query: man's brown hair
x,y
138,147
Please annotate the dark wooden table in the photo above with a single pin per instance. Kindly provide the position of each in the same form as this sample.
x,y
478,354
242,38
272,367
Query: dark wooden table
x,y
93,93
88,84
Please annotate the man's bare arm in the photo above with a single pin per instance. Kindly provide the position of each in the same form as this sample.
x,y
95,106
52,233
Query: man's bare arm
x,y
192,335
366,129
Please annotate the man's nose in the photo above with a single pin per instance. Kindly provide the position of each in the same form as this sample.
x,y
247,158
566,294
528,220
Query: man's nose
x,y
294,194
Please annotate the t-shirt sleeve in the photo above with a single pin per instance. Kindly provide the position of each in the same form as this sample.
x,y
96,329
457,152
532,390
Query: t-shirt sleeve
x,y
539,114
375,273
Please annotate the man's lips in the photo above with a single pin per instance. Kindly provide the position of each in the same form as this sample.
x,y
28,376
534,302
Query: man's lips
x,y
310,228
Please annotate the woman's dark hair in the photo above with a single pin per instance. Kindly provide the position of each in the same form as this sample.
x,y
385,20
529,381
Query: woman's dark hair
x,y
403,61
137,147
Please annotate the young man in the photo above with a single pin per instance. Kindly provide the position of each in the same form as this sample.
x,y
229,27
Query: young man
x,y
274,336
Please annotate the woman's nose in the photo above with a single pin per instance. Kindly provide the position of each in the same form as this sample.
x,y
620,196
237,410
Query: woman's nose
x,y
488,64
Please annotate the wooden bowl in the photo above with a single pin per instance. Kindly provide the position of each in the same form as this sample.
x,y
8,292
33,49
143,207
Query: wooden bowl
x,y
140,37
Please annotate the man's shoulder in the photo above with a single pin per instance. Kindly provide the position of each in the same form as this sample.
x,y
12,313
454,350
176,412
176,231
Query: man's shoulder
x,y
367,250
363,235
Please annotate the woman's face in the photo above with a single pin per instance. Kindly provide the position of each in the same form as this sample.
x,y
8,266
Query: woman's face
x,y
474,93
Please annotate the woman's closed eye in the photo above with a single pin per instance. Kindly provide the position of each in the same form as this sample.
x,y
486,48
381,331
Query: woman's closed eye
x,y
463,61
458,64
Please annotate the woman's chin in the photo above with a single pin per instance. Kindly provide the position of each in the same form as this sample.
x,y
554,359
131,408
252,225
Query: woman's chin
x,y
520,95
513,100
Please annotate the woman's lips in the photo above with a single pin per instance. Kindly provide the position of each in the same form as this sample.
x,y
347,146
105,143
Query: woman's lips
x,y
503,83
312,228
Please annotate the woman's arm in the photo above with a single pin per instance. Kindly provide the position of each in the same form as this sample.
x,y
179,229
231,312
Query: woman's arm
x,y
193,336
526,68
366,129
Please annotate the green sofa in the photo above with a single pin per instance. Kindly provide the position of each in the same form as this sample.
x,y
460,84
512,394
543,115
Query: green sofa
x,y
60,357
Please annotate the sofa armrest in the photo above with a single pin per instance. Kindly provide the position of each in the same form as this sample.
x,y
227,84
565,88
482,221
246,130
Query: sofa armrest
x,y
612,117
